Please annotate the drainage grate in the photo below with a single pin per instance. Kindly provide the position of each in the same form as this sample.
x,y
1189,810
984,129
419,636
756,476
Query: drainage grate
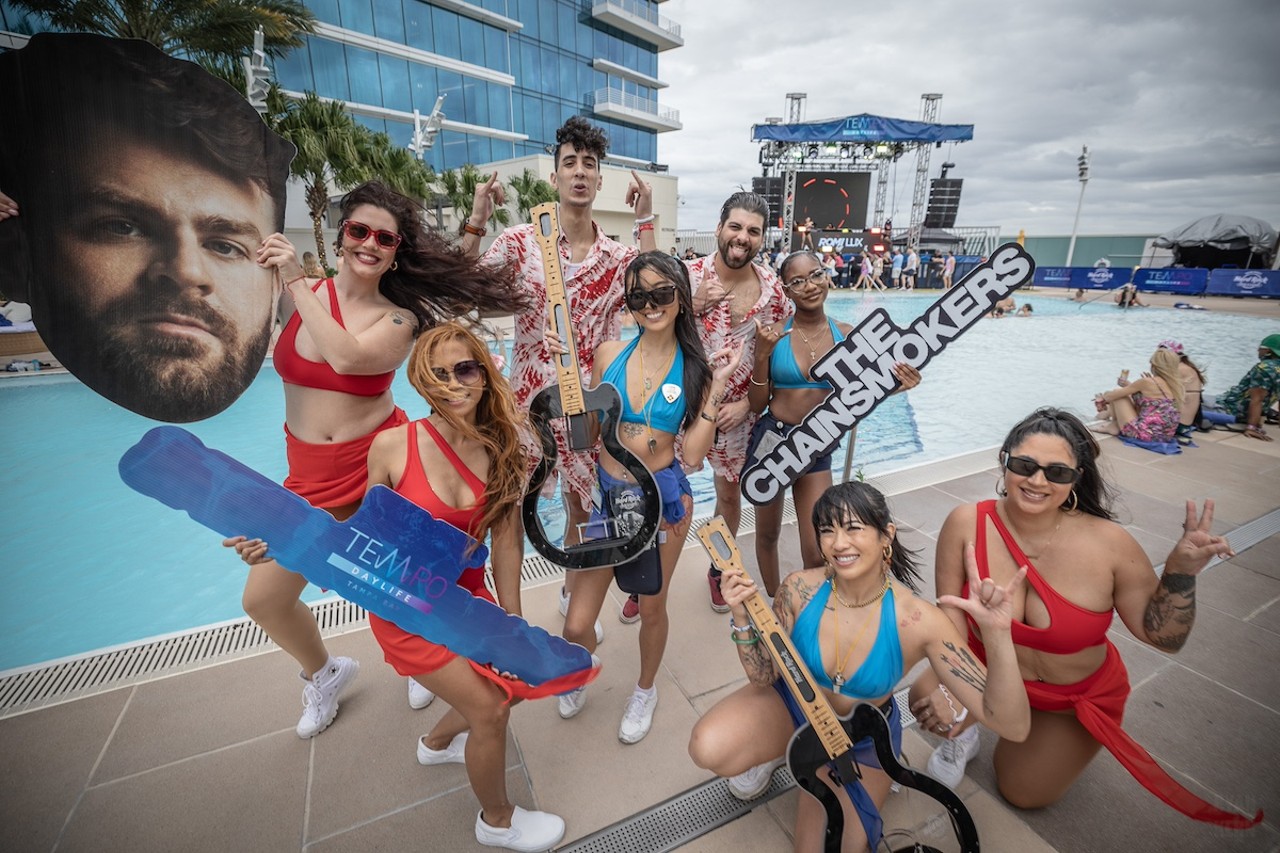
x,y
692,814
1246,536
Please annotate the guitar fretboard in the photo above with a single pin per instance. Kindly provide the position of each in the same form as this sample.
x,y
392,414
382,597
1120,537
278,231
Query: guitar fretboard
x,y
547,232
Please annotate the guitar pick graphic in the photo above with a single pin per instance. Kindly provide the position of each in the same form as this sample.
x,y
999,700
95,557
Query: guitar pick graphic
x,y
670,392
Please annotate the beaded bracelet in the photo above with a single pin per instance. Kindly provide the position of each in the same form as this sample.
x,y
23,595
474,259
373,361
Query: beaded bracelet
x,y
751,641
741,628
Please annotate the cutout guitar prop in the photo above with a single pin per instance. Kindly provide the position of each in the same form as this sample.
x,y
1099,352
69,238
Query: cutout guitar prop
x,y
625,538
826,739
391,558
860,368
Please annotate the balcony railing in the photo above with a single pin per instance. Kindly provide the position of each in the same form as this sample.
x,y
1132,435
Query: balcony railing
x,y
615,103
640,20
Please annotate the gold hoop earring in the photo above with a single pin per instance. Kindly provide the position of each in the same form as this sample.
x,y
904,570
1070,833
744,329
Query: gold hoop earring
x,y
395,265
337,250
887,553
1075,501
1001,491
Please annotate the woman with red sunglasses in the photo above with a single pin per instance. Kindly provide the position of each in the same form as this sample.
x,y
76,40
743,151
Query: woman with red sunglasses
x,y
342,342
1053,518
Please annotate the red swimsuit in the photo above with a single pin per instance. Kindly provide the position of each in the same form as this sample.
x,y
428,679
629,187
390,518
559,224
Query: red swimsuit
x,y
1097,701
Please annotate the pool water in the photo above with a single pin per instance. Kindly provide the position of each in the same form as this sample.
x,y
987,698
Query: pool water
x,y
89,563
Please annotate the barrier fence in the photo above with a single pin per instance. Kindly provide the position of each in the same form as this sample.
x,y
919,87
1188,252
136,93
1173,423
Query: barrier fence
x,y
1185,282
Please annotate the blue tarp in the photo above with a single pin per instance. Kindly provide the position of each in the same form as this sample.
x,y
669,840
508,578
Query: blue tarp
x,y
862,128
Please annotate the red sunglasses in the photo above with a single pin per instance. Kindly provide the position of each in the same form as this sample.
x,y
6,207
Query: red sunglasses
x,y
360,232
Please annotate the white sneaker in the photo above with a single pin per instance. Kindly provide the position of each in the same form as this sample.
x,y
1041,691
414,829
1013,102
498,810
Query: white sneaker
x,y
638,716
454,753
320,695
571,703
948,761
529,831
564,611
754,781
419,696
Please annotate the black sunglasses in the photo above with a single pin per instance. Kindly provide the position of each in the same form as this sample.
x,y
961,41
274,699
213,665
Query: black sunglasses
x,y
467,372
638,298
360,232
1024,467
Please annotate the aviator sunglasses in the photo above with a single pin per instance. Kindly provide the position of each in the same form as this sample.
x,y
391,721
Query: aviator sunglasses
x,y
360,232
1024,467
467,372
638,297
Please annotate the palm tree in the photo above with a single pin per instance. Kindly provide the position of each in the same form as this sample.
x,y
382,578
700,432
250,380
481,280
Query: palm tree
x,y
214,30
330,147
530,191
383,160
459,186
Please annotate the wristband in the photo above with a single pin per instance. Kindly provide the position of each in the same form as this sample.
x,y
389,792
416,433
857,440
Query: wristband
x,y
760,384
468,228
291,281
643,220
706,417
741,629
750,641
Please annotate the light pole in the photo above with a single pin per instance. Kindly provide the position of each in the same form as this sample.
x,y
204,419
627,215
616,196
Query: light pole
x,y
1083,165
425,129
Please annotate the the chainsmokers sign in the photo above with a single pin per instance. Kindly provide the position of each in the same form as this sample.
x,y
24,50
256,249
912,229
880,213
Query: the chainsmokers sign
x,y
860,368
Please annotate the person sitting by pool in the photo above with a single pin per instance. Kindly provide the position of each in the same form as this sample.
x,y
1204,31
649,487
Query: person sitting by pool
x,y
1127,297
783,393
1148,409
1025,311
342,342
1053,520
667,389
863,587
1192,386
465,465
1251,399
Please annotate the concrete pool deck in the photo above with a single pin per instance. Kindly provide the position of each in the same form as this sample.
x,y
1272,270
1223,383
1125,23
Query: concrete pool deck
x,y
207,760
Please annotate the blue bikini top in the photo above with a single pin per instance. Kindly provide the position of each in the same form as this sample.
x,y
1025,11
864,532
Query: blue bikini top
x,y
664,414
882,669
783,370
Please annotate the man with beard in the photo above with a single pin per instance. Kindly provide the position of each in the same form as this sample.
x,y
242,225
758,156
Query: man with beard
x,y
733,297
147,186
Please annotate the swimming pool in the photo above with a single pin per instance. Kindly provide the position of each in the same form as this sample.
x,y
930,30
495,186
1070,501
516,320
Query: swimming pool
x,y
89,563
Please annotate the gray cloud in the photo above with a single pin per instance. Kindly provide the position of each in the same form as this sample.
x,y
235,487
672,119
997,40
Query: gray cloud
x,y
1177,101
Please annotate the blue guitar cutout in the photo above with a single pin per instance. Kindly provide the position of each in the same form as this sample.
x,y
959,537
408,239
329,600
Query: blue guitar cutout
x,y
391,558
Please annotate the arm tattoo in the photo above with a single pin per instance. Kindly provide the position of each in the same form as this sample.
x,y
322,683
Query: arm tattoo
x,y
757,663
1171,612
965,666
397,318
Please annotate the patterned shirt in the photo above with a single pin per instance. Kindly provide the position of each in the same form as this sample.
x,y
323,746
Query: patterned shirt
x,y
1265,375
594,293
715,325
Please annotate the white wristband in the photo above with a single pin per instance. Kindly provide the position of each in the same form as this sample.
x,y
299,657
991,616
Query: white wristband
x,y
646,219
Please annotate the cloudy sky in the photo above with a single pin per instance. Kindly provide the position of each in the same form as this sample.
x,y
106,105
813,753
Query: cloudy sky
x,y
1179,102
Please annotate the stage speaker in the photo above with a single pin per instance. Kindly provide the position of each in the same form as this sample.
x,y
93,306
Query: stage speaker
x,y
944,202
771,189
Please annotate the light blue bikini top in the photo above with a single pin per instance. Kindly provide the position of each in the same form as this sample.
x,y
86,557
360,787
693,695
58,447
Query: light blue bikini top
x,y
784,372
664,414
882,669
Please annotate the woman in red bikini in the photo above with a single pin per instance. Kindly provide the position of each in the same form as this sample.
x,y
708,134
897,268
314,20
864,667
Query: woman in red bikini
x,y
1053,516
342,342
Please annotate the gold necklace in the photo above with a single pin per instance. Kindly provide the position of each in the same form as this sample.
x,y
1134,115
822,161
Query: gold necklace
x,y
837,677
813,353
872,600
1045,546
646,404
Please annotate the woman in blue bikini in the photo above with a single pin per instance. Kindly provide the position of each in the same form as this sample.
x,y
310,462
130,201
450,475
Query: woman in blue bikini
x,y
667,388
782,391
858,627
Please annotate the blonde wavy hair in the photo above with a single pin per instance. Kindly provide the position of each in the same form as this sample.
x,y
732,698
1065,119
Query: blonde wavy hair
x,y
1164,364
498,422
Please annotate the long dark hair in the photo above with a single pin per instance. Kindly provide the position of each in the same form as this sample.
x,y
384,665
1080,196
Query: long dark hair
x,y
1093,495
697,373
433,278
845,501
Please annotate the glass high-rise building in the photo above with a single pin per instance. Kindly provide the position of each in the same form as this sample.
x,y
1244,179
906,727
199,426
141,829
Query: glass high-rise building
x,y
512,71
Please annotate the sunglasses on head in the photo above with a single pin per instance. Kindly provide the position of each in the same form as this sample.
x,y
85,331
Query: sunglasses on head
x,y
360,232
467,372
1024,467
817,277
638,297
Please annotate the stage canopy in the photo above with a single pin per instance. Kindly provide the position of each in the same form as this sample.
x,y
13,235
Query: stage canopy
x,y
861,128
1221,240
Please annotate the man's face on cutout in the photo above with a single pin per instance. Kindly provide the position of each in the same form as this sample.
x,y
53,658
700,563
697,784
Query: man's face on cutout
x,y
146,285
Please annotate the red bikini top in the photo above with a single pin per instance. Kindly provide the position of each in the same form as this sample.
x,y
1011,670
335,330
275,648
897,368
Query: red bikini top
x,y
1071,629
296,370
415,486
